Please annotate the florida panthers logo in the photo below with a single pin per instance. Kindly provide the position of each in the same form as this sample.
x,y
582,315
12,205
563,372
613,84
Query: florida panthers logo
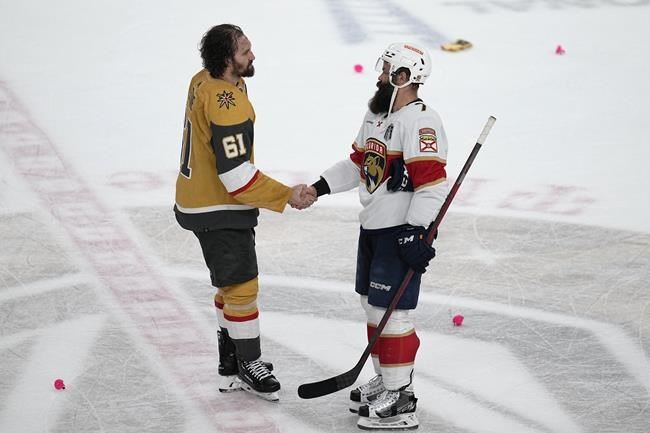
x,y
374,164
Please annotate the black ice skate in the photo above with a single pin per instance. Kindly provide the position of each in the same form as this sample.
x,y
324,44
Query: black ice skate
x,y
257,379
391,410
227,356
366,393
228,368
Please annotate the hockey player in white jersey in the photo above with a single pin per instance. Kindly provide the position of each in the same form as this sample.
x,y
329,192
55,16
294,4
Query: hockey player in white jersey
x,y
398,164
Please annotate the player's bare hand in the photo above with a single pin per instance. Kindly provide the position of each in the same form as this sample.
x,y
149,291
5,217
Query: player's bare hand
x,y
302,196
309,194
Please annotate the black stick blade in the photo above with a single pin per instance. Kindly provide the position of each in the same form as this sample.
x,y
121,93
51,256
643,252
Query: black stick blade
x,y
328,386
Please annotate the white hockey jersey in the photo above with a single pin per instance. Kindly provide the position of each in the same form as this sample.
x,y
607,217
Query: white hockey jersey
x,y
413,133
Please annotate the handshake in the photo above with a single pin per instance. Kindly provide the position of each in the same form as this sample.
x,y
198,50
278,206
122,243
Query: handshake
x,y
302,196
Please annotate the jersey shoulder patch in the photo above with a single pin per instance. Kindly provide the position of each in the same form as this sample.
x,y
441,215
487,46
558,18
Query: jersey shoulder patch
x,y
226,104
428,140
226,99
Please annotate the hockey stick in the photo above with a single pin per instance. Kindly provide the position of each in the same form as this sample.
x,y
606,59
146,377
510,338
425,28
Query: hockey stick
x,y
337,383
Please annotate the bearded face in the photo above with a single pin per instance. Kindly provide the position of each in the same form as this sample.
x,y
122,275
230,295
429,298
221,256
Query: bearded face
x,y
244,69
242,61
380,102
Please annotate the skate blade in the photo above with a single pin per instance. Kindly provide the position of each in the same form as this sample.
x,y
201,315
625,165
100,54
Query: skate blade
x,y
407,421
268,396
230,384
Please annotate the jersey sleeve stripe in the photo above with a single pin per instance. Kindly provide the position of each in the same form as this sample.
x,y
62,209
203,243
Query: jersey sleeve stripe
x,y
425,185
426,172
214,208
425,158
239,178
245,187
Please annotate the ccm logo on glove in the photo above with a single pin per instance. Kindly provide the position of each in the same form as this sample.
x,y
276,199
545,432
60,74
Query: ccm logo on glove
x,y
414,249
405,240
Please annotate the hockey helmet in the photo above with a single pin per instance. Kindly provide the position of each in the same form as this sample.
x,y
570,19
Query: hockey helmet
x,y
409,56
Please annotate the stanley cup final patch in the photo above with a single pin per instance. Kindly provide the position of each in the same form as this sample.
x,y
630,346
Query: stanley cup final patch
x,y
428,140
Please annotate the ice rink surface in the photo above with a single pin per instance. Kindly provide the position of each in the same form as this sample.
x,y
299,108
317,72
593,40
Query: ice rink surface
x,y
545,252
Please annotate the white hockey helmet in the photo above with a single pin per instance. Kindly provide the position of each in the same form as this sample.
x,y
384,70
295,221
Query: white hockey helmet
x,y
409,56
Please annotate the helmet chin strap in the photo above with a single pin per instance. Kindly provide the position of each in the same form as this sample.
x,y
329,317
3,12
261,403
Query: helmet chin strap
x,y
394,95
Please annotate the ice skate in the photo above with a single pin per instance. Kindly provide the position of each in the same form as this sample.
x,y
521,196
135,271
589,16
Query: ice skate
x,y
229,383
228,367
366,393
227,363
256,378
227,356
391,410
232,382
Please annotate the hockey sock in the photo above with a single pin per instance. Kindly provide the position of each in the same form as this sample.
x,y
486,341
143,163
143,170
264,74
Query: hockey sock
x,y
241,316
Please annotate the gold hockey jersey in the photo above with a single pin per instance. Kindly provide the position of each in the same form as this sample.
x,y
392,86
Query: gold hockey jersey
x,y
218,185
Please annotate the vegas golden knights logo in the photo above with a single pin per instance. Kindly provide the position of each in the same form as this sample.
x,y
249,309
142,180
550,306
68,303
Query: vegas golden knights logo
x,y
226,99
374,164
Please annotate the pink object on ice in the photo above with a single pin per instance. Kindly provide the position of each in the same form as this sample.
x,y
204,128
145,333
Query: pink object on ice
x,y
458,320
559,50
358,68
58,384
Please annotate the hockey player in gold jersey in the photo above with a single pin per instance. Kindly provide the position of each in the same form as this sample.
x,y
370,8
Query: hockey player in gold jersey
x,y
218,193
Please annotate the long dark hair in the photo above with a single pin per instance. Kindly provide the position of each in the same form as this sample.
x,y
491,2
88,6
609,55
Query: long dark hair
x,y
218,45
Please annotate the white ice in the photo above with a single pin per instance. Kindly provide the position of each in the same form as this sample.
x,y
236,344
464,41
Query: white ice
x,y
545,250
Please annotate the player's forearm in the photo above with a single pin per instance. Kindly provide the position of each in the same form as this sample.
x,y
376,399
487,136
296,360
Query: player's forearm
x,y
321,186
250,186
342,176
426,203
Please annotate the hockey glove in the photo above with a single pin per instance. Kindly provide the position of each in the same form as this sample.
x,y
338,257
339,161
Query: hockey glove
x,y
399,179
413,247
